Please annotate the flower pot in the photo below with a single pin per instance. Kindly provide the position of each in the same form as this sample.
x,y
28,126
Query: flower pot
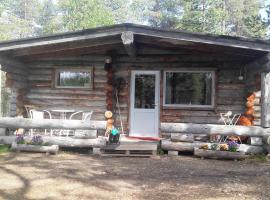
x,y
52,149
219,154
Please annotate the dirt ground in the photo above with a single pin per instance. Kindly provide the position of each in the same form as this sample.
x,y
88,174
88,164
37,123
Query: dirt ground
x,y
80,176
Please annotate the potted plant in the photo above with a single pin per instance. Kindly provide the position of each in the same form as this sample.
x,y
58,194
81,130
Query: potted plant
x,y
36,144
224,151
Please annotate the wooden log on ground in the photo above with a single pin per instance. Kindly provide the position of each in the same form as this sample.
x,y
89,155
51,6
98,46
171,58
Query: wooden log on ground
x,y
179,146
61,141
53,149
219,154
213,129
250,149
180,137
9,122
257,141
189,147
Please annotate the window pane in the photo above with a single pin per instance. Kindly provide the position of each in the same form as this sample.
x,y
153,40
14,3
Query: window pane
x,y
74,78
145,91
189,88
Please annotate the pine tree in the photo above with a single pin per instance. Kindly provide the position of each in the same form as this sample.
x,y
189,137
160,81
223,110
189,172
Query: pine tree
x,y
84,14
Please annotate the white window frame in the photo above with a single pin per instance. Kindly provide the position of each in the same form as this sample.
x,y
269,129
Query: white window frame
x,y
81,69
212,71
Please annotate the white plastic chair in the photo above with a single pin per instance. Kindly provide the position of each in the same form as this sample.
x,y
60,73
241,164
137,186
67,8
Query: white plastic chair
x,y
35,114
84,117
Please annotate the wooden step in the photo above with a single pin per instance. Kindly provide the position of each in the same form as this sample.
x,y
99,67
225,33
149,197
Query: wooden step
x,y
128,153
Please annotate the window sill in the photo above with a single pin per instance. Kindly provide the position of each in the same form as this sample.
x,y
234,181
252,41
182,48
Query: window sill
x,y
170,107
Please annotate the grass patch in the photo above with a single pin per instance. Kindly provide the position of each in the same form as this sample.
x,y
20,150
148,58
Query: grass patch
x,y
4,148
259,158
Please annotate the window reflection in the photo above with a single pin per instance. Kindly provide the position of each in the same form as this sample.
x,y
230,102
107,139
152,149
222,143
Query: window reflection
x,y
145,91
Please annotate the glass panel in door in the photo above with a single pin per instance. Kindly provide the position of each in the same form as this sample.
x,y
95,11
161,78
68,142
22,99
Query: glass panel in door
x,y
144,91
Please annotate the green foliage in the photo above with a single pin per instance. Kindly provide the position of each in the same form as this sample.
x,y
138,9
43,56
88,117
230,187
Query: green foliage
x,y
259,158
84,14
4,148
165,14
24,18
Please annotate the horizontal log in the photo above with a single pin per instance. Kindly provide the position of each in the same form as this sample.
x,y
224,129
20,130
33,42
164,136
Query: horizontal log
x,y
39,77
9,122
179,146
67,102
182,137
66,96
219,154
257,141
250,149
230,86
67,91
213,129
61,141
186,146
191,119
35,148
180,113
231,93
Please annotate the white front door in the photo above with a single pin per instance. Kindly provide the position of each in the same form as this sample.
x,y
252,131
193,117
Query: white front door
x,y
144,100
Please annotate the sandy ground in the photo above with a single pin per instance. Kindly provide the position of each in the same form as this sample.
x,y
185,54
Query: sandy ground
x,y
77,176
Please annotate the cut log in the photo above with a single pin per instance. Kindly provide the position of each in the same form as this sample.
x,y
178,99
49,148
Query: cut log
x,y
219,154
257,141
179,137
213,129
179,146
9,122
61,141
129,43
252,150
35,148
85,134
201,138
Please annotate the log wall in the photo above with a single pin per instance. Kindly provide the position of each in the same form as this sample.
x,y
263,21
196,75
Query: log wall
x,y
253,83
230,92
16,80
42,91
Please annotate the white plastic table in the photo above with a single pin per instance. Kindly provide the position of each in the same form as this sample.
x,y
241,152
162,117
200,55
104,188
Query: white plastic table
x,y
63,113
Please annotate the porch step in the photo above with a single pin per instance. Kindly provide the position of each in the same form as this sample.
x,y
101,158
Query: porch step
x,y
128,153
128,148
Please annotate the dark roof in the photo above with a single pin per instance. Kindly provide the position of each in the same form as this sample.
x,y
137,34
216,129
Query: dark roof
x,y
238,42
110,35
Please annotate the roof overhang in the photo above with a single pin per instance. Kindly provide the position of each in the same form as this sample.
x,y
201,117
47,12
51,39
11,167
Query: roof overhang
x,y
127,35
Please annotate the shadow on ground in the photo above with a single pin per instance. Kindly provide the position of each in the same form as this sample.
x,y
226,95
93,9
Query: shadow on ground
x,y
80,176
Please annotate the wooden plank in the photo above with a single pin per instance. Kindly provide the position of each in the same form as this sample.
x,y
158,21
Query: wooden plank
x,y
131,147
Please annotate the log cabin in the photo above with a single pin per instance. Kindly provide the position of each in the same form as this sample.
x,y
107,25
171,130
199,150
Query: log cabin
x,y
148,77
